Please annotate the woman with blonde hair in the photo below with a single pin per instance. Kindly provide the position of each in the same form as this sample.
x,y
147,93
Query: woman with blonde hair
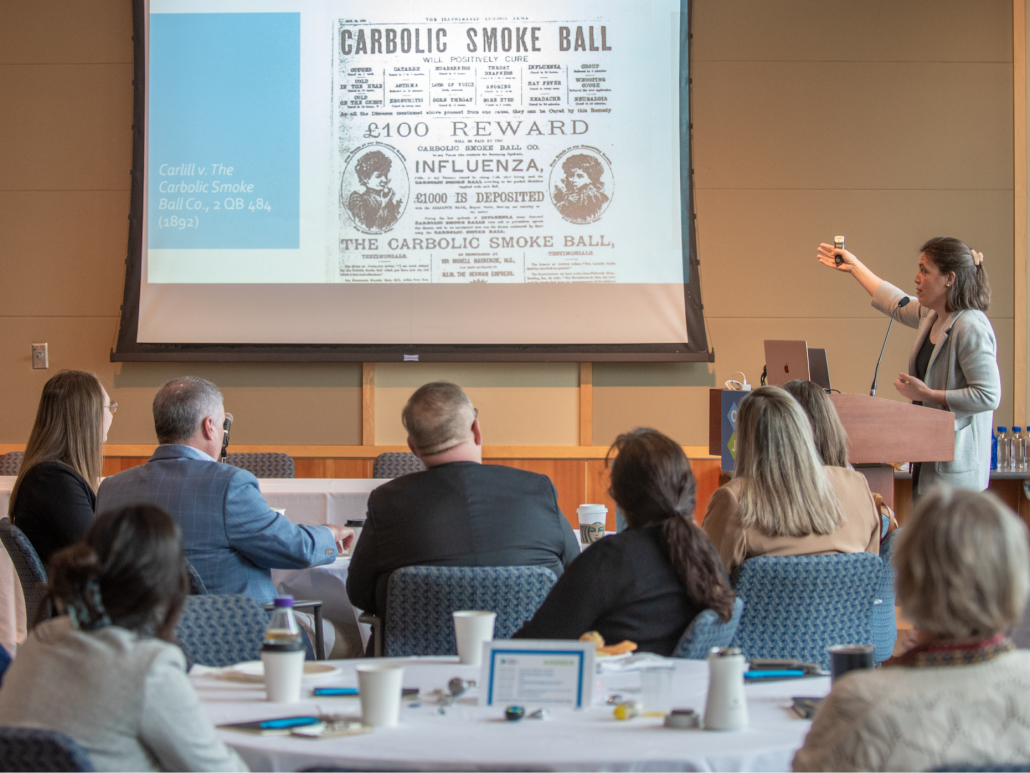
x,y
782,500
831,439
960,697
54,495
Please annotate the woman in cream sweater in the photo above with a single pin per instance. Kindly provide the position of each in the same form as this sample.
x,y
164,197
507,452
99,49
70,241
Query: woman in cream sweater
x,y
961,697
782,501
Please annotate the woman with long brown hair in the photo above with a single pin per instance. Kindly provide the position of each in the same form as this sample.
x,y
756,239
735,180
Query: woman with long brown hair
x,y
54,495
953,364
106,670
648,582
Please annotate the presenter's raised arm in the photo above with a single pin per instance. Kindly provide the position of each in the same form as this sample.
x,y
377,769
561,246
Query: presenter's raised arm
x,y
828,257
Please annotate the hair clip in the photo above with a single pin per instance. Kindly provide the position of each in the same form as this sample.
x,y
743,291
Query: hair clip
x,y
978,258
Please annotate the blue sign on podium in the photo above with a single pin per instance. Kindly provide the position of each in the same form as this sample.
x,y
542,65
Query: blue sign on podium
x,y
730,405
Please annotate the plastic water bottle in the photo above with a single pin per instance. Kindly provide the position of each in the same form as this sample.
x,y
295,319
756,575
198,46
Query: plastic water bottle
x,y
1019,449
994,451
282,624
1004,449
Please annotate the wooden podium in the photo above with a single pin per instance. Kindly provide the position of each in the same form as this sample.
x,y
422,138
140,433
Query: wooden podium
x,y
882,432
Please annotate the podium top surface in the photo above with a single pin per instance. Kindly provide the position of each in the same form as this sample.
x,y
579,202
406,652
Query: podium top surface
x,y
889,431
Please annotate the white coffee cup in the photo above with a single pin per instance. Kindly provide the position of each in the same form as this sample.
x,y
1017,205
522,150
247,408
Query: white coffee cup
x,y
472,630
726,704
379,687
591,522
284,670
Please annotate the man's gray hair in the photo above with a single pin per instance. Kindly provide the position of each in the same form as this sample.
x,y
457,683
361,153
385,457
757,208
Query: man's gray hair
x,y
181,406
438,417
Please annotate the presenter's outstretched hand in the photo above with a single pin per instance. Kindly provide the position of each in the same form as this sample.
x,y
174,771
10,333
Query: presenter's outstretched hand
x,y
828,257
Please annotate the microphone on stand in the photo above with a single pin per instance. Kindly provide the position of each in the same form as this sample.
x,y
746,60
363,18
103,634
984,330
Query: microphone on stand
x,y
903,302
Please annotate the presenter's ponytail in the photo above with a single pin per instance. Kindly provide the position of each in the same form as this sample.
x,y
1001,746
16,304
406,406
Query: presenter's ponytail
x,y
971,288
652,483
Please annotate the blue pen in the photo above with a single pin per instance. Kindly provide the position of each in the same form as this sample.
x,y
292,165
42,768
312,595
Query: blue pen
x,y
782,674
324,691
287,722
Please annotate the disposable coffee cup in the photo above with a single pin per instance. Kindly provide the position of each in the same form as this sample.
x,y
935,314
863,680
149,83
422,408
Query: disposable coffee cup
x,y
591,522
357,526
850,657
284,670
472,630
379,687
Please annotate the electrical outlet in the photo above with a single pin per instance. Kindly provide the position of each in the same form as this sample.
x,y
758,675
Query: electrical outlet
x,y
40,357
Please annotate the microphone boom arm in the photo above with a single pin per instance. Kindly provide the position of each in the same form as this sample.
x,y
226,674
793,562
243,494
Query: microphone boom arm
x,y
903,302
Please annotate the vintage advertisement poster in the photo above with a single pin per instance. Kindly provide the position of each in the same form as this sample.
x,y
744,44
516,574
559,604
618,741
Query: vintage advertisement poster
x,y
503,150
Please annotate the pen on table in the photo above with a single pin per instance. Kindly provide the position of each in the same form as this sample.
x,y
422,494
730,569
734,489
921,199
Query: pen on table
x,y
781,674
286,722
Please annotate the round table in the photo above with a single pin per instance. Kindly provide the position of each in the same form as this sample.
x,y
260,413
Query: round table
x,y
470,737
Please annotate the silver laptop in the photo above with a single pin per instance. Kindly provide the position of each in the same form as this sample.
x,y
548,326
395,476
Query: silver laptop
x,y
786,361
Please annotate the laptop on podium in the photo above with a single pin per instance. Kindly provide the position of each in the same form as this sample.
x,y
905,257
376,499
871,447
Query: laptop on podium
x,y
789,360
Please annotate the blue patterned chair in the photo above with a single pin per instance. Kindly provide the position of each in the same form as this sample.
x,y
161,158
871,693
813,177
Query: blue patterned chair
x,y
392,465
267,465
798,606
706,631
11,463
220,630
30,569
26,748
884,621
420,600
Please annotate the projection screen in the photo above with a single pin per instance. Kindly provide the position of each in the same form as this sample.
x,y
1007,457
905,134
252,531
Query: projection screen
x,y
443,179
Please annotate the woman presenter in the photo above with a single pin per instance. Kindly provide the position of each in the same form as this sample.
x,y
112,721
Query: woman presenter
x,y
953,365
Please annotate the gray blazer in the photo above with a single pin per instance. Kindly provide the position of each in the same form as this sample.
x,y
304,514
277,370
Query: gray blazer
x,y
964,364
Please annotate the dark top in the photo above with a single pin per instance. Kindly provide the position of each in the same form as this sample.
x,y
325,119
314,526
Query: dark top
x,y
923,358
54,507
458,514
624,587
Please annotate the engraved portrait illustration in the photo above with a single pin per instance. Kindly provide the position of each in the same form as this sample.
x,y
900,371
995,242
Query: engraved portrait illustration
x,y
376,206
580,196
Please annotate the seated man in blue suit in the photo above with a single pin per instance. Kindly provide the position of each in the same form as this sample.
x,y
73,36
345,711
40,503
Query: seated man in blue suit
x,y
459,511
231,536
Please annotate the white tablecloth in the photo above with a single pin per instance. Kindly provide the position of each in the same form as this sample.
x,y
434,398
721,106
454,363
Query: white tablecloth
x,y
306,500
327,584
470,737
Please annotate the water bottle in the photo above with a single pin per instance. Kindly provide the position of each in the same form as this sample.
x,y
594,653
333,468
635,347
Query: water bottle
x,y
1015,454
994,452
1021,456
1004,449
282,624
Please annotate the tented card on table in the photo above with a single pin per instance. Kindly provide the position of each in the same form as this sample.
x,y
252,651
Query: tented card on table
x,y
536,672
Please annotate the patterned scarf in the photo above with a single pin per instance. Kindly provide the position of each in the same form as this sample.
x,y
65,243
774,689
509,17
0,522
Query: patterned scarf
x,y
933,655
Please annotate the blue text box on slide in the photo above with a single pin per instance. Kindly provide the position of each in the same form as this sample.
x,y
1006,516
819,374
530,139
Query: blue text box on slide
x,y
224,93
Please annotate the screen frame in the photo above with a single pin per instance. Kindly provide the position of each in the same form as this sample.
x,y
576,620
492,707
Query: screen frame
x,y
128,349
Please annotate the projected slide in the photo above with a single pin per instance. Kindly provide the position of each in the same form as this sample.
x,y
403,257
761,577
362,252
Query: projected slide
x,y
442,173
415,143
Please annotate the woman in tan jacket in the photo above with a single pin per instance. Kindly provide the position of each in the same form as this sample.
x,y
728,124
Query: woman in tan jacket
x,y
782,501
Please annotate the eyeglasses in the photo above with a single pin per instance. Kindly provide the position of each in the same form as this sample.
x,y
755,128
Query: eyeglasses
x,y
112,407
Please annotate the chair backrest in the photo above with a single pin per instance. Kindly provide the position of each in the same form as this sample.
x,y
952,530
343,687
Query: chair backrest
x,y
220,630
26,562
29,748
266,465
420,600
798,606
197,587
11,463
393,464
706,631
884,620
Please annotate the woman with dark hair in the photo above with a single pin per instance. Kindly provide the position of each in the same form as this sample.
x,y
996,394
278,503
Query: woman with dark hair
x,y
105,671
646,583
953,365
55,493
831,439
